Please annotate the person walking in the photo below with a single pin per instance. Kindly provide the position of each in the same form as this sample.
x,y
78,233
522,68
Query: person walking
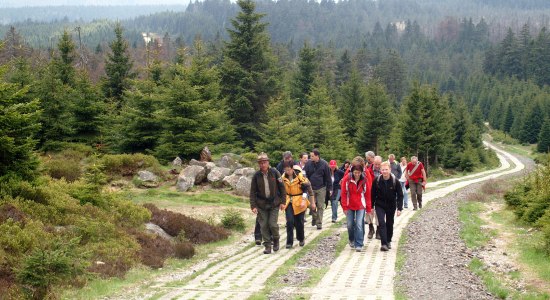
x,y
403,180
395,167
297,190
267,193
318,173
416,176
387,196
356,199
336,175
287,157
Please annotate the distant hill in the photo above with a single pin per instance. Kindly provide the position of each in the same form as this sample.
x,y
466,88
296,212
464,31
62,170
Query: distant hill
x,y
30,3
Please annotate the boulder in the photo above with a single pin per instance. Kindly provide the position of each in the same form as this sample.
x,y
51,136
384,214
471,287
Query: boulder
x,y
148,179
177,162
209,166
230,160
189,177
206,155
154,228
218,174
195,162
231,180
243,186
248,171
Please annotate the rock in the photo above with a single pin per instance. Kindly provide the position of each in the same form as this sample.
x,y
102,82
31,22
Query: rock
x,y
154,228
148,176
206,155
195,162
231,180
218,174
177,162
209,166
184,183
230,160
189,177
243,186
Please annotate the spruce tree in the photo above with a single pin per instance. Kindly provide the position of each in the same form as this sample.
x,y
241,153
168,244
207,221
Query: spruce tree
x,y
88,109
248,74
304,78
543,145
64,61
532,124
118,68
352,101
343,68
391,73
377,120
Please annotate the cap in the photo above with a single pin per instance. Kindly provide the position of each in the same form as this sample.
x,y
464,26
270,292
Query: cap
x,y
262,157
297,168
332,163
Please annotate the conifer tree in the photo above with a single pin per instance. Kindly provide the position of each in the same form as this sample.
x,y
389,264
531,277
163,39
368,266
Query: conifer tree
x,y
304,78
248,74
88,108
65,60
508,119
543,145
376,121
532,124
391,73
343,68
352,101
324,127
118,68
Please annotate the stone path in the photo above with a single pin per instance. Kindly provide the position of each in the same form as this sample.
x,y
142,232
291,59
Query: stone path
x,y
369,274
353,275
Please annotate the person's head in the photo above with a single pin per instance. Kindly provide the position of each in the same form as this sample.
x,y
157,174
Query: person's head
x,y
315,155
303,157
391,158
263,162
346,164
414,159
376,162
403,160
333,165
357,170
369,155
385,169
358,161
287,156
289,169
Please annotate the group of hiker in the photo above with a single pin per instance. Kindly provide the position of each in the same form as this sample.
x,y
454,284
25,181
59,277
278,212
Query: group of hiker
x,y
370,191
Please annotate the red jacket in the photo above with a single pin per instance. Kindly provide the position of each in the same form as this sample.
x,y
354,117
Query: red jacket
x,y
352,192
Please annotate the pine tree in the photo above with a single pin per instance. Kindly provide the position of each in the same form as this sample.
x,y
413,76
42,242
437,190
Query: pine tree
x,y
343,68
64,63
118,68
88,109
508,119
324,129
543,145
377,121
352,101
18,127
391,73
248,74
304,78
532,124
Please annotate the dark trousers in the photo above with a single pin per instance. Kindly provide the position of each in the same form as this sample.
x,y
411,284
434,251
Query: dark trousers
x,y
385,219
294,221
268,225
257,230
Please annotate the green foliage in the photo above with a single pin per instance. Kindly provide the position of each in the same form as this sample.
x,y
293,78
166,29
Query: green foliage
x,y
58,262
64,62
233,219
63,168
304,78
115,165
543,145
391,72
351,102
118,67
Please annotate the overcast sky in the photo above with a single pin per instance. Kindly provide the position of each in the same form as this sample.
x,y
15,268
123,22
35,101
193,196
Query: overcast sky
x,y
21,3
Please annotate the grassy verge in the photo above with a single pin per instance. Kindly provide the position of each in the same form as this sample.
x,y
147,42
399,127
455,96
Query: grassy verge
x,y
166,198
472,232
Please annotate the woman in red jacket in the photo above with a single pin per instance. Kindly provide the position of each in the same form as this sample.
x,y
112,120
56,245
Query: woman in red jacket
x,y
356,198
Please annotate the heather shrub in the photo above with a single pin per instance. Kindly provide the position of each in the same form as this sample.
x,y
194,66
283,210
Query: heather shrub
x,y
154,249
69,169
233,219
129,164
114,256
184,249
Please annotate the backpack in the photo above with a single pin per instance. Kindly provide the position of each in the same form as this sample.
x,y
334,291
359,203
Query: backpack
x,y
393,179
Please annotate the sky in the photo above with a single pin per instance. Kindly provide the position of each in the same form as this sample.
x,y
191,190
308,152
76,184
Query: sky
x,y
23,3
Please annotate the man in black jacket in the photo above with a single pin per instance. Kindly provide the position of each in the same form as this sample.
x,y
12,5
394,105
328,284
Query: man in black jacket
x,y
267,197
318,173
387,196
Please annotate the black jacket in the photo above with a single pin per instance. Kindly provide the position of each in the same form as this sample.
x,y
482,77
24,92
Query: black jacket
x,y
276,189
318,174
387,194
338,175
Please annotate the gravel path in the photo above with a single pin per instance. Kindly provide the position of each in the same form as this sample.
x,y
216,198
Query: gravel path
x,y
437,259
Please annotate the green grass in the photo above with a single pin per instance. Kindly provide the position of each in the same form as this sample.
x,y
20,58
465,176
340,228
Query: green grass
x,y
165,198
471,232
493,284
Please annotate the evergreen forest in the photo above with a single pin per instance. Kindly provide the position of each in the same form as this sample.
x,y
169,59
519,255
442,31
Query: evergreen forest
x,y
83,102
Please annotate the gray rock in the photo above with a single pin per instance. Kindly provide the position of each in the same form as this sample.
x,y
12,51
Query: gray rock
x,y
231,180
218,174
230,160
248,171
243,186
195,162
177,162
189,177
184,183
154,228
147,176
209,166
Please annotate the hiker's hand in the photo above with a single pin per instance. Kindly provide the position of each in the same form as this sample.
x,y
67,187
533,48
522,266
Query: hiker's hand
x,y
398,213
282,207
255,211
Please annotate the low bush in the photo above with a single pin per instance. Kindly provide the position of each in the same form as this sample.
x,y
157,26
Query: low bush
x,y
184,250
154,249
69,169
233,219
129,164
196,231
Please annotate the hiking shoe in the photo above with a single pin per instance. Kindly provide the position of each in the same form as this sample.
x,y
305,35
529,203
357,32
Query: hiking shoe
x,y
377,234
384,248
302,243
359,249
288,246
334,221
352,245
258,242
319,226
389,245
276,245
419,204
371,232
415,208
267,250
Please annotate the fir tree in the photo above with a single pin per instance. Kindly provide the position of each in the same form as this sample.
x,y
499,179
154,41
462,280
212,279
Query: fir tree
x,y
64,62
543,145
88,109
532,124
343,68
352,102
391,73
304,78
248,74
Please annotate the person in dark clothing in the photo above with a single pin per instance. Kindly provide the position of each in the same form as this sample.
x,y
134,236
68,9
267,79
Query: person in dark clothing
x,y
336,175
287,157
395,167
267,196
318,173
387,196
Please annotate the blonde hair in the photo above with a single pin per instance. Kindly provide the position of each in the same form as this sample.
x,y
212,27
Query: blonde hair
x,y
387,164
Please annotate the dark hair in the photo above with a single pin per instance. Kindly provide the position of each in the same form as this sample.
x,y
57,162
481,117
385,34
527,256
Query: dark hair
x,y
287,154
288,164
316,152
357,167
304,153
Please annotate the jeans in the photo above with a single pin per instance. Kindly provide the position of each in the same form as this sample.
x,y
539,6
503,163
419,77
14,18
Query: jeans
x,y
385,219
268,224
405,195
294,221
356,227
317,216
334,205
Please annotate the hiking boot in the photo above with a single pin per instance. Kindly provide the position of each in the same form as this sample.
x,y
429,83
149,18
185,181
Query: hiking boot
x,y
419,204
302,243
334,221
288,246
389,245
319,226
267,250
352,245
371,231
377,233
359,249
384,248
415,208
258,242
276,245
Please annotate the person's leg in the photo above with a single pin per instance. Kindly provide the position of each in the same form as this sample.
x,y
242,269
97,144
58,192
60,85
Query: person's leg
x,y
320,195
263,218
289,214
405,195
258,231
382,228
274,227
299,224
412,187
419,194
390,217
359,228
350,220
